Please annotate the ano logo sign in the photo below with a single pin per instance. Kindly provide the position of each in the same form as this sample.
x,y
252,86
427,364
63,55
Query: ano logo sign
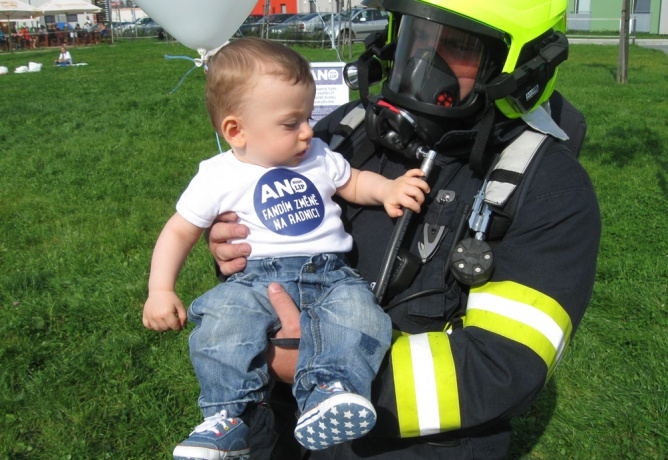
x,y
325,76
288,203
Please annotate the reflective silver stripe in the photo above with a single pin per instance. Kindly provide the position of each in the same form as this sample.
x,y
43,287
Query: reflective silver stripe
x,y
351,121
515,158
521,314
424,376
532,317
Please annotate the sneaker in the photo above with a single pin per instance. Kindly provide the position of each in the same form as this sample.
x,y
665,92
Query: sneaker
x,y
338,416
218,437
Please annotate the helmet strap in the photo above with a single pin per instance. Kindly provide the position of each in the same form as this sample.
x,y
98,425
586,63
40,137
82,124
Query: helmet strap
x,y
363,79
478,162
374,48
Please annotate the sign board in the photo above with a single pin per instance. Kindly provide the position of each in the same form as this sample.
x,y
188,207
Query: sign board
x,y
330,89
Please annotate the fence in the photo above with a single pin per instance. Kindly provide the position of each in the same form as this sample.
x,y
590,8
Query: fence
x,y
24,41
583,22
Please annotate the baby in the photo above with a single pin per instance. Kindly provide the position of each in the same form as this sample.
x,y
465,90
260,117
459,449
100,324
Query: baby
x,y
280,182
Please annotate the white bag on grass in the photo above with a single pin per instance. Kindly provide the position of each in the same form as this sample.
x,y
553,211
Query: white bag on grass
x,y
34,67
3,70
22,69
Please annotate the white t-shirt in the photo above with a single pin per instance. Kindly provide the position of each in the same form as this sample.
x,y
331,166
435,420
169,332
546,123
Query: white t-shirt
x,y
289,211
66,56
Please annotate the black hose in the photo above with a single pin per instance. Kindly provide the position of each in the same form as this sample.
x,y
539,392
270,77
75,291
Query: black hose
x,y
398,234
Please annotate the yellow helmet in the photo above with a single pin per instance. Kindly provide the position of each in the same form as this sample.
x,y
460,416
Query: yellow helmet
x,y
517,43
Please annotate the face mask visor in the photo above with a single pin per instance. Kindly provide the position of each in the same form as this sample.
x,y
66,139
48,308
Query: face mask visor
x,y
435,68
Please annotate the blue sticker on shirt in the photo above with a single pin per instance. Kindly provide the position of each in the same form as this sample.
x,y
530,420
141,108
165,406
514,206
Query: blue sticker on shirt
x,y
288,203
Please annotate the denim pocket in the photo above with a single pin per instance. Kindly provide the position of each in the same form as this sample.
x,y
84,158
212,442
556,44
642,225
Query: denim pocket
x,y
350,272
243,278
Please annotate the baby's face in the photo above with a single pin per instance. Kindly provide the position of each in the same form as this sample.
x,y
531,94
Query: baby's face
x,y
275,122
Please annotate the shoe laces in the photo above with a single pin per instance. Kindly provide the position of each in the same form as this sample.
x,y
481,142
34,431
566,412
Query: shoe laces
x,y
212,423
332,387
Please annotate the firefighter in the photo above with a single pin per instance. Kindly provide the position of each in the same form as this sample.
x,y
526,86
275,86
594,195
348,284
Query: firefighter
x,y
478,332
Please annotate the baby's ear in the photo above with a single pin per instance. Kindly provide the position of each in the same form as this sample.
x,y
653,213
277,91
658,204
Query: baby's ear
x,y
232,132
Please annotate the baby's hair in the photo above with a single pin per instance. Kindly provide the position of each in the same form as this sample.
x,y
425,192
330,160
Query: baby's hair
x,y
233,71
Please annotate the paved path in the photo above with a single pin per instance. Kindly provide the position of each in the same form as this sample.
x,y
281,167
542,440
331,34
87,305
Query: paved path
x,y
663,48
657,44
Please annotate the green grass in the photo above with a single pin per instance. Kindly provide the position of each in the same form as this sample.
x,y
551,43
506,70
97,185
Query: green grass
x,y
92,160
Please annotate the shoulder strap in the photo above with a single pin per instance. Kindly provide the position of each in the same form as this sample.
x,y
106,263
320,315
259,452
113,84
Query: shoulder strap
x,y
510,170
350,140
509,180
347,126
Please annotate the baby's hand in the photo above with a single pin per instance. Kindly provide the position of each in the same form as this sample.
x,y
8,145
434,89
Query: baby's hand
x,y
406,191
164,311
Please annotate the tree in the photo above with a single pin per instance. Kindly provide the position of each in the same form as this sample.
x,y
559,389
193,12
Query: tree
x,y
623,61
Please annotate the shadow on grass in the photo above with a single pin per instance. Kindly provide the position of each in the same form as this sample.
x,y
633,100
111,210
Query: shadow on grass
x,y
529,428
620,145
611,69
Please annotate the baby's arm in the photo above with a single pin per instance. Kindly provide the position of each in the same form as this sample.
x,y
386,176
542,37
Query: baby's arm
x,y
368,188
163,310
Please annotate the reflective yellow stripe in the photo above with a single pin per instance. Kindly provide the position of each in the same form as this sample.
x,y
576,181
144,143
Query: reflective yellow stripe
x,y
404,388
397,333
446,380
425,384
523,315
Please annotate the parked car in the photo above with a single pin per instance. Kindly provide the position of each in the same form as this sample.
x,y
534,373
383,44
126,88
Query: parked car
x,y
120,26
149,27
143,21
303,24
254,29
359,23
252,18
143,27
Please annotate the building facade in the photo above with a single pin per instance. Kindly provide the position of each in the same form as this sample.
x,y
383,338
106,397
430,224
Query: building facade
x,y
649,16
302,6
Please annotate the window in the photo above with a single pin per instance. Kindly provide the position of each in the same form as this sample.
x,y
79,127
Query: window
x,y
582,6
49,19
72,18
642,6
362,17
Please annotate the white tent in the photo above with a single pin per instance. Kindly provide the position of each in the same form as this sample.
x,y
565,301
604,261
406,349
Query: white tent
x,y
69,6
17,10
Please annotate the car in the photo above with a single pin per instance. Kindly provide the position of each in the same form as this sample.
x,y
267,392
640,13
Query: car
x,y
149,27
358,23
120,26
252,18
143,21
303,24
143,27
255,29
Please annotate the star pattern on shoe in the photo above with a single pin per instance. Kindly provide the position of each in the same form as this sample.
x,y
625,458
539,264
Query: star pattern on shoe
x,y
320,427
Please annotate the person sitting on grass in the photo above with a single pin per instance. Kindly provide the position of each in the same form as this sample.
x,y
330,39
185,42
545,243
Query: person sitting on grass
x,y
280,181
65,58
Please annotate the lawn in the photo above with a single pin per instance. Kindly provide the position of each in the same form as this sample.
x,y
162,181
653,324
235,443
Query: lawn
x,y
93,159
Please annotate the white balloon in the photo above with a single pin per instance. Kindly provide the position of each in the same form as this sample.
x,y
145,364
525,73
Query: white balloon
x,y
202,25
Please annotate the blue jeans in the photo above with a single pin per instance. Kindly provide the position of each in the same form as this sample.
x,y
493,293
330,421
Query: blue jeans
x,y
345,334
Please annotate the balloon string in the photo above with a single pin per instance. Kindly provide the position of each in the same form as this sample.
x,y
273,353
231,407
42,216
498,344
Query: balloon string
x,y
220,149
197,62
